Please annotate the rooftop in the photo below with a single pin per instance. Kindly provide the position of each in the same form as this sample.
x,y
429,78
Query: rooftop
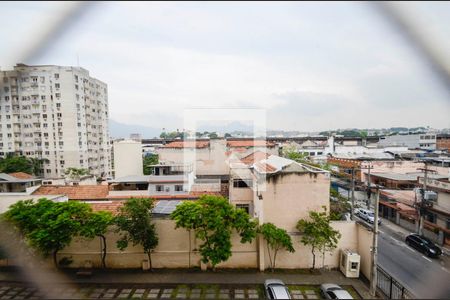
x,y
405,177
249,143
187,144
18,177
80,192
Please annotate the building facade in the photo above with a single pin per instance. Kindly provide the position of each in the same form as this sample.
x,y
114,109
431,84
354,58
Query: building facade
x,y
413,141
58,114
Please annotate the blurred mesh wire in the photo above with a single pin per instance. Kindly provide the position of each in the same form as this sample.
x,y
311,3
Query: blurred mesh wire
x,y
49,32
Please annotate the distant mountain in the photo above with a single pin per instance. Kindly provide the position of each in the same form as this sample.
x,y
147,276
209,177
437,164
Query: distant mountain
x,y
120,130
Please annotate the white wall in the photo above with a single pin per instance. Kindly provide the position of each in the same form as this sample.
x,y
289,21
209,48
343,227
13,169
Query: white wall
x,y
128,158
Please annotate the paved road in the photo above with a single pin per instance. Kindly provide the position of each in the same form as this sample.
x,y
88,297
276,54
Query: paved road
x,y
425,277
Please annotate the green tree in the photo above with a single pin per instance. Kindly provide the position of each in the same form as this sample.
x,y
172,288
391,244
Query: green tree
x,y
276,239
148,161
76,173
318,233
48,226
96,225
16,163
213,219
134,222
291,153
37,165
338,205
213,135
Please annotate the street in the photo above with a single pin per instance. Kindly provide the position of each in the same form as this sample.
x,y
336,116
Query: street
x,y
423,276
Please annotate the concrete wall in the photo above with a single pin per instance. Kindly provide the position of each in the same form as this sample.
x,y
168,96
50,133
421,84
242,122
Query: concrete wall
x,y
290,196
207,161
364,238
174,244
172,251
127,158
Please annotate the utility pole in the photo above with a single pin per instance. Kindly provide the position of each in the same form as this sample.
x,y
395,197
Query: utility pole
x,y
368,187
373,277
422,204
353,193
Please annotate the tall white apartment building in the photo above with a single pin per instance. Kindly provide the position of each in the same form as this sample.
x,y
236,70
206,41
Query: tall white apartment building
x,y
59,114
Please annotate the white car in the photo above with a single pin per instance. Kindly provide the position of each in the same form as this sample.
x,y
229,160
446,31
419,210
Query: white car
x,y
276,289
334,291
367,215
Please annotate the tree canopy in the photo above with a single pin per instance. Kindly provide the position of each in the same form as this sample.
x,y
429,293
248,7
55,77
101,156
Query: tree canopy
x,y
148,161
276,239
96,225
213,219
134,222
318,233
46,225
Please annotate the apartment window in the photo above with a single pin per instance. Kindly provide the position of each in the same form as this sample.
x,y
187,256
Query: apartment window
x,y
5,79
43,97
61,162
159,188
61,143
6,98
48,171
6,89
57,85
245,207
59,115
56,76
42,79
178,188
60,124
44,116
34,79
58,105
239,183
58,95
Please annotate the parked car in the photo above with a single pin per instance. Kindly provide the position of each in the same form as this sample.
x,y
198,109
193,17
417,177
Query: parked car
x,y
276,289
334,291
367,215
423,244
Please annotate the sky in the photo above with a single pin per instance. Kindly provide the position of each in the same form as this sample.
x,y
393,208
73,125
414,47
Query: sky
x,y
309,66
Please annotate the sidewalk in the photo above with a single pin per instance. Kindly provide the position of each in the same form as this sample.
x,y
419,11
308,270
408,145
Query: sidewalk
x,y
221,277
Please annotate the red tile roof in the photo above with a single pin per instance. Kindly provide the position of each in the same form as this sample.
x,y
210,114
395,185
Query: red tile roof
x,y
80,192
21,175
254,157
250,143
191,195
111,206
188,144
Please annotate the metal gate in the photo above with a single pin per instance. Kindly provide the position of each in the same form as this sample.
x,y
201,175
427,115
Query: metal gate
x,y
391,288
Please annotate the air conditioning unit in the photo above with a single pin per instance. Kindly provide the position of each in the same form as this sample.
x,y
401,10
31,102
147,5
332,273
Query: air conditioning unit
x,y
350,263
430,196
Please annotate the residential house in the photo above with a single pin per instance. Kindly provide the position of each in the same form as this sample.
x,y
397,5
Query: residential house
x,y
18,182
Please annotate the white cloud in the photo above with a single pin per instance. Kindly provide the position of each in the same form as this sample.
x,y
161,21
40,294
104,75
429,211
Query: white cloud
x,y
310,65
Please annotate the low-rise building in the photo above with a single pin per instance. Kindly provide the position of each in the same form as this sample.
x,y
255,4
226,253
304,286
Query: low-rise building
x,y
18,182
425,141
